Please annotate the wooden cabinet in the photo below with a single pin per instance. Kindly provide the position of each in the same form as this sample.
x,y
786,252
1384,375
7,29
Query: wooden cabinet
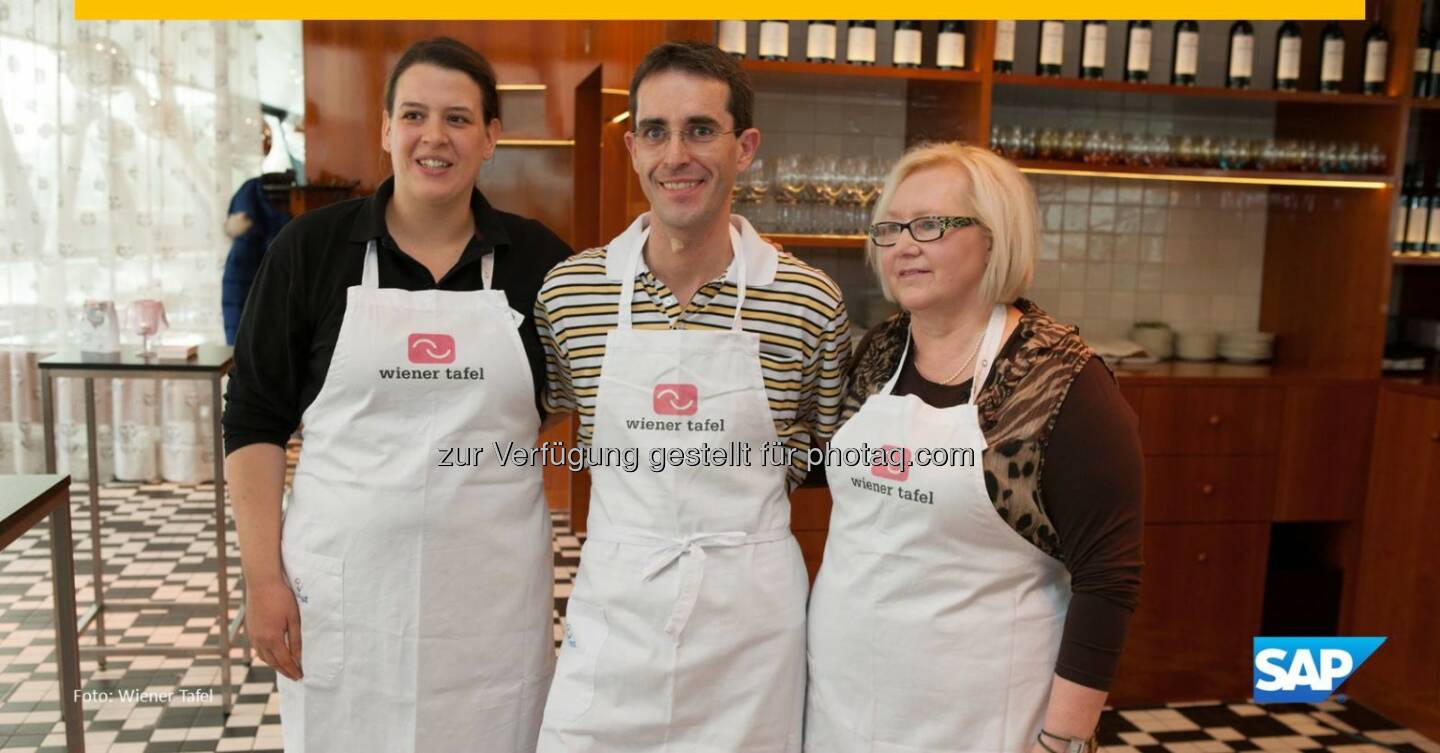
x,y
1199,608
1324,457
810,521
1398,594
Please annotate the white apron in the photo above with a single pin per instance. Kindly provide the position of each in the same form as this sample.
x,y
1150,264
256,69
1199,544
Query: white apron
x,y
934,627
425,591
686,629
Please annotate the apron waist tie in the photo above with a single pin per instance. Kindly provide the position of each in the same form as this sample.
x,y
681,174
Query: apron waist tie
x,y
674,549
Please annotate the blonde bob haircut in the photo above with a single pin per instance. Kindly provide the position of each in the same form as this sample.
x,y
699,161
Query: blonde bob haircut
x,y
1003,201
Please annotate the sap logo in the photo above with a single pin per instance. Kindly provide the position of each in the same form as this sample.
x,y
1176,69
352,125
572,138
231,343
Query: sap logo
x,y
1306,670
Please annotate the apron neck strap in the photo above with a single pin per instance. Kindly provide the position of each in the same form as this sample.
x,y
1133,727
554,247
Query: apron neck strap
x,y
627,283
370,278
989,348
984,359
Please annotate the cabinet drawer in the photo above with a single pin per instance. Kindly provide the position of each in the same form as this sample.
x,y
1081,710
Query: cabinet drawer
x,y
1210,420
1209,489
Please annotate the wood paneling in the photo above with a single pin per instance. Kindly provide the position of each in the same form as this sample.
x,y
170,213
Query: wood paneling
x,y
1324,458
589,121
346,64
1398,595
810,521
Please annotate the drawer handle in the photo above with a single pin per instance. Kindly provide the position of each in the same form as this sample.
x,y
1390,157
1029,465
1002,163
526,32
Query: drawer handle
x,y
1214,419
1202,558
1207,489
1435,437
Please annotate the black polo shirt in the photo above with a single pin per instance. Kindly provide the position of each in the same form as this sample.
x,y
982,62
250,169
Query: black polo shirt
x,y
292,317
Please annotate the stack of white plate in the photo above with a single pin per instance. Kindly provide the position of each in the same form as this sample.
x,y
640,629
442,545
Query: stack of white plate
x,y
1247,347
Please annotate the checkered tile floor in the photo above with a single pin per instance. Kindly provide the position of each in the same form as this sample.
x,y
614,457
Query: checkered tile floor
x,y
159,542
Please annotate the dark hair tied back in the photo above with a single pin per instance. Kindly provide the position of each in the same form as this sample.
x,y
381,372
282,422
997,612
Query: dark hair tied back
x,y
451,54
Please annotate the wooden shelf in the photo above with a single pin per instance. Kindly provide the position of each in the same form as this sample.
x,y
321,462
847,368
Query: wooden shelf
x,y
808,240
1425,103
1405,260
1212,92
1204,175
859,71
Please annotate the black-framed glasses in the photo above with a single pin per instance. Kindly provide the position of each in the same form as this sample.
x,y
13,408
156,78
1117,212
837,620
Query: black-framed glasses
x,y
654,136
922,229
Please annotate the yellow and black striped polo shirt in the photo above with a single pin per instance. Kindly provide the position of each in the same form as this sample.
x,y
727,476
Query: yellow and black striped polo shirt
x,y
800,317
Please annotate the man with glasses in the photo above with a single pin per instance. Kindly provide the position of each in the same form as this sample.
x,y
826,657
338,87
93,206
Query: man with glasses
x,y
688,332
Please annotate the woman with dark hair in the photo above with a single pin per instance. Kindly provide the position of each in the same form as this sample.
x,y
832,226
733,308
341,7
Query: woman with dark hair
x,y
420,591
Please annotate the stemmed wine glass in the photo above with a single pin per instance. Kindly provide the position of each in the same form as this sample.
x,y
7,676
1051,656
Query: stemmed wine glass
x,y
146,318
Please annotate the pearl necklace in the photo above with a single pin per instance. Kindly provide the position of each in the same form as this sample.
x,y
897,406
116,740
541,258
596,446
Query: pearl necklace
x,y
973,354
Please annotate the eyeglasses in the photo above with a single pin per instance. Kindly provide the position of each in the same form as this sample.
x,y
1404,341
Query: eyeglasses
x,y
922,229
654,137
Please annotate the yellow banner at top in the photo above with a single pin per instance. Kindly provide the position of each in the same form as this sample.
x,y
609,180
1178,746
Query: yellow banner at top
x,y
579,10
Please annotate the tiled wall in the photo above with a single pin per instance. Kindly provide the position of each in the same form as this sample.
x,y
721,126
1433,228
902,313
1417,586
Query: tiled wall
x,y
1113,252
858,121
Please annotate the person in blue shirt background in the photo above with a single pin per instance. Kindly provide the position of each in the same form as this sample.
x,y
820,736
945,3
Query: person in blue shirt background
x,y
252,222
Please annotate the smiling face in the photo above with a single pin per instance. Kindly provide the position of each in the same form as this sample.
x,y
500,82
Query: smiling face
x,y
688,184
942,272
435,134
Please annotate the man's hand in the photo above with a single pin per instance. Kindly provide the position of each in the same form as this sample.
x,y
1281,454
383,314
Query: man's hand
x,y
272,617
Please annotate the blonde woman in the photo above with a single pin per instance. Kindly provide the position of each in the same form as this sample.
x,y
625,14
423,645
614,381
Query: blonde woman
x,y
974,599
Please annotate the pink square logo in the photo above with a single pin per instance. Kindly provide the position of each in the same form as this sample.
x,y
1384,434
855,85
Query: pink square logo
x,y
676,399
431,348
895,464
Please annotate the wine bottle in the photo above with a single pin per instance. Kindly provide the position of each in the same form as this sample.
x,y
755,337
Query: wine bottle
x,y
905,51
1397,243
1052,48
1424,48
1332,58
1092,49
1242,56
1004,47
1434,76
820,42
1137,51
950,46
860,43
1287,57
732,37
1435,66
1187,53
1432,234
774,40
1417,213
1377,60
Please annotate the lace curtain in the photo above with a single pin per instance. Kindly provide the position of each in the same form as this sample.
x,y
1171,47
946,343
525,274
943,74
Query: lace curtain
x,y
121,144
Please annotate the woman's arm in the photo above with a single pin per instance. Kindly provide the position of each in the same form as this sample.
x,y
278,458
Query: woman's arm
x,y
1092,489
257,481
262,409
1073,711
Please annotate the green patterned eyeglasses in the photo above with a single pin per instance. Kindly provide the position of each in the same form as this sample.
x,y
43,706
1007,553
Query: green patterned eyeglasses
x,y
922,229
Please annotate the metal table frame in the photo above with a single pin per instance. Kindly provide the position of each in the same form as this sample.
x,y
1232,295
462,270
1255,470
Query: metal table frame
x,y
62,565
229,629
